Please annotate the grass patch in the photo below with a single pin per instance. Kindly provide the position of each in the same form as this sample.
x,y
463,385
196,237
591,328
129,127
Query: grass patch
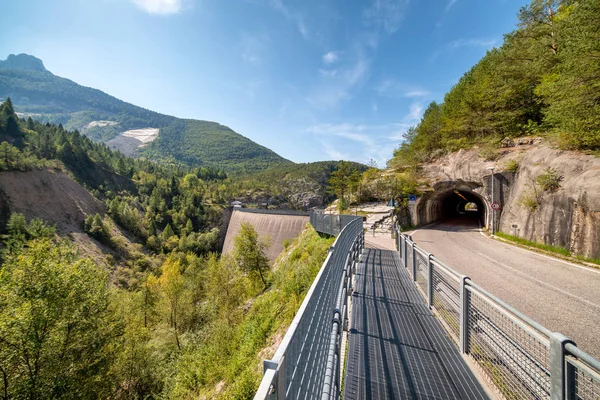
x,y
546,247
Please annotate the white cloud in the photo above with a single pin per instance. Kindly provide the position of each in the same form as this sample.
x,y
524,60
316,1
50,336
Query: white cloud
x,y
417,93
414,114
332,152
412,118
473,43
253,48
393,88
386,14
337,84
161,7
360,142
291,15
330,57
455,45
450,4
329,73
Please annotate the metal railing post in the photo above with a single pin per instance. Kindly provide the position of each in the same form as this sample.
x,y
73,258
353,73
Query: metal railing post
x,y
465,304
430,281
405,253
558,369
414,262
278,388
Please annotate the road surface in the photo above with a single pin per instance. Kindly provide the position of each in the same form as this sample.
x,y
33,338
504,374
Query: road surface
x,y
562,296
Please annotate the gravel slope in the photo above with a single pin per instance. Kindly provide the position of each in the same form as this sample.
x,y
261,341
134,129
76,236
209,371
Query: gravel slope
x,y
562,296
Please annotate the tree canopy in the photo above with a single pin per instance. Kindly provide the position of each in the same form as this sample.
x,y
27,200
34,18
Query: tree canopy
x,y
543,80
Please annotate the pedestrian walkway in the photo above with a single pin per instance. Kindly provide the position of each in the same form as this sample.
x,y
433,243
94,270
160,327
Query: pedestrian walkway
x,y
397,348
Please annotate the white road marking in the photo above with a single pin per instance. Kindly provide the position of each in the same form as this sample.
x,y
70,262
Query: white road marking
x,y
582,267
525,275
545,284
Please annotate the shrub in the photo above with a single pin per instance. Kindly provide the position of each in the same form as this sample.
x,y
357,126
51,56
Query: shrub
x,y
489,153
550,180
96,228
512,166
529,201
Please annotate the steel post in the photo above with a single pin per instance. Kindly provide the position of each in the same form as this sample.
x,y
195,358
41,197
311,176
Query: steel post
x,y
278,387
464,315
405,253
430,281
414,261
558,370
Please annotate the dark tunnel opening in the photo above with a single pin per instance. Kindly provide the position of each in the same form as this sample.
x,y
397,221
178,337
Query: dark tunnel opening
x,y
452,204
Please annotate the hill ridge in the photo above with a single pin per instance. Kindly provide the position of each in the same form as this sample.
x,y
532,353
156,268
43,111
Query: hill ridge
x,y
38,93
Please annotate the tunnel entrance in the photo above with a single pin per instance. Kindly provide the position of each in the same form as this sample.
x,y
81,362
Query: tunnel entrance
x,y
451,202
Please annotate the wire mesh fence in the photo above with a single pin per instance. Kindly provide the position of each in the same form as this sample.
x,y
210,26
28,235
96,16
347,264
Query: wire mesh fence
x,y
584,374
421,268
446,299
521,358
516,359
331,224
301,360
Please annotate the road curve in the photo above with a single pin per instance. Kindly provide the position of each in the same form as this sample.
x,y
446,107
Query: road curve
x,y
561,296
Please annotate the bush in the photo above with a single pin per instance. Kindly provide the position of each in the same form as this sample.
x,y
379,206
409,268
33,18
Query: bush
x,y
530,201
512,166
489,153
95,227
550,180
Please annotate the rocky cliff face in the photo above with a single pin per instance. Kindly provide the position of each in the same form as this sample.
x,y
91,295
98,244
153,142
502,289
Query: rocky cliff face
x,y
567,217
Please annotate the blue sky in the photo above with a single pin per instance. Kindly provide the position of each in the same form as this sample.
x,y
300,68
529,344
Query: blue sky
x,y
312,80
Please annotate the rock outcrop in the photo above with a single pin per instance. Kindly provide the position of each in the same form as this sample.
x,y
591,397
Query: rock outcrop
x,y
568,217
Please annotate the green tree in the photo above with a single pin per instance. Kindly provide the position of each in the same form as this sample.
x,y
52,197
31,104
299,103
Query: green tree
x,y
340,182
167,233
96,228
55,329
17,225
189,227
572,89
249,252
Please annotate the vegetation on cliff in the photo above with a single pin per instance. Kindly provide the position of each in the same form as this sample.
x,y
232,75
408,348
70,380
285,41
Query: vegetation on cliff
x,y
544,80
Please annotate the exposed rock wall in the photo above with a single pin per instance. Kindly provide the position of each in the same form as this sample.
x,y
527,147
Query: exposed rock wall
x,y
569,217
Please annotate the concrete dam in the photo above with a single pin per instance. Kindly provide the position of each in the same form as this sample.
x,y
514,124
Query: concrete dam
x,y
278,225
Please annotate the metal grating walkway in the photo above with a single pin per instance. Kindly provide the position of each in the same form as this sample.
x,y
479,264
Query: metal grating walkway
x,y
397,348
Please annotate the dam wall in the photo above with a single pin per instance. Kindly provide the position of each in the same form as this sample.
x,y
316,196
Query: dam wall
x,y
278,225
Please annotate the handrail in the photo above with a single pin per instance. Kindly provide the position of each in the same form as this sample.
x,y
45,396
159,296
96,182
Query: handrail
x,y
501,339
321,318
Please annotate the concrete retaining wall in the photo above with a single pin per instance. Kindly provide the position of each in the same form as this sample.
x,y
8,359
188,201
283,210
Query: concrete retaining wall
x,y
277,226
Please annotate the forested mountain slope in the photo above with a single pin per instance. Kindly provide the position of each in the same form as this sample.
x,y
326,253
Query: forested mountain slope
x,y
38,93
544,80
120,265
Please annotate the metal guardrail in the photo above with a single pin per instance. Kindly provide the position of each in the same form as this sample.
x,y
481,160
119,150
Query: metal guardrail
x,y
331,224
274,211
523,359
307,362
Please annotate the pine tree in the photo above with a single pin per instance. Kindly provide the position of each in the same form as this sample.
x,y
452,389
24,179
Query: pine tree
x,y
167,233
189,227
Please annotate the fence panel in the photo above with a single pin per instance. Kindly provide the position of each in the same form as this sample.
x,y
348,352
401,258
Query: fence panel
x,y
515,358
513,350
422,278
301,359
446,299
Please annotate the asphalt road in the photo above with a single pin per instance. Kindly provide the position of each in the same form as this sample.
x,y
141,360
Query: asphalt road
x,y
562,296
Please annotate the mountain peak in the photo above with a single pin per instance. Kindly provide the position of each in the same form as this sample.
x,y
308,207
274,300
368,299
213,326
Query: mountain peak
x,y
22,61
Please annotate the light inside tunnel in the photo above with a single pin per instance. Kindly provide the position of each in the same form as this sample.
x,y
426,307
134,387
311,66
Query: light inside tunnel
x,y
451,203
